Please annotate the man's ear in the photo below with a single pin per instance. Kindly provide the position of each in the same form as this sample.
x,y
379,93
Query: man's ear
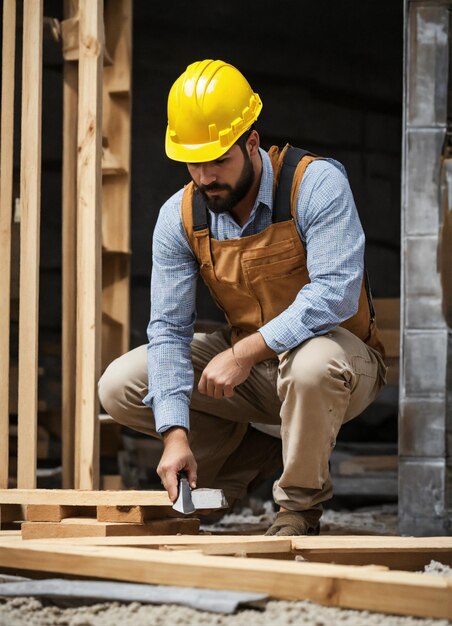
x,y
253,143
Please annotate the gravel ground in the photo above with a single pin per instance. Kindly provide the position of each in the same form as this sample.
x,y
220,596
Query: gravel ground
x,y
33,612
382,520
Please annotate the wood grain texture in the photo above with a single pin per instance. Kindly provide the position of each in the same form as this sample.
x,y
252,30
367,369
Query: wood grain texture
x,y
30,208
76,497
410,553
6,203
80,527
89,179
394,592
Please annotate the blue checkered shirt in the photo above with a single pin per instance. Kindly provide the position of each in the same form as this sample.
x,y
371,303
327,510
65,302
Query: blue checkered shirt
x,y
331,232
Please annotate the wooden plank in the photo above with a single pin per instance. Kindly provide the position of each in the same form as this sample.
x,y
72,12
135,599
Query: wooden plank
x,y
69,248
137,514
118,32
116,180
6,204
30,195
394,592
224,544
133,514
88,527
75,497
89,179
321,543
410,553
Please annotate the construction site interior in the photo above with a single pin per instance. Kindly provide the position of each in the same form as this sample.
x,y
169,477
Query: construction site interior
x,y
87,532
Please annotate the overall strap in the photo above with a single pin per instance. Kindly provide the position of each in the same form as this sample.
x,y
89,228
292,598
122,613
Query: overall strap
x,y
200,213
282,200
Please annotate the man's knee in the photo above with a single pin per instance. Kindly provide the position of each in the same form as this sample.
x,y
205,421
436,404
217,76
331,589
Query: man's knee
x,y
111,390
123,385
315,364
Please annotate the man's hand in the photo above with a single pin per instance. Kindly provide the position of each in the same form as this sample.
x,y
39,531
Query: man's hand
x,y
177,457
232,367
221,375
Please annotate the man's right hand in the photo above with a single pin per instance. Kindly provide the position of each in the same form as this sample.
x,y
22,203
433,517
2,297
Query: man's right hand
x,y
177,457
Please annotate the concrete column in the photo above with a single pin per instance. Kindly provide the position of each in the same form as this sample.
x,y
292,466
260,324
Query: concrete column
x,y
425,421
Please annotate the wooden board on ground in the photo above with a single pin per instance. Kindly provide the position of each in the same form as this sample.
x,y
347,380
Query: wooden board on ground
x,y
395,592
88,527
408,553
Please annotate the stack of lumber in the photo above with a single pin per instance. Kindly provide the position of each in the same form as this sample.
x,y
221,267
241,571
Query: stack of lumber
x,y
282,567
344,571
53,513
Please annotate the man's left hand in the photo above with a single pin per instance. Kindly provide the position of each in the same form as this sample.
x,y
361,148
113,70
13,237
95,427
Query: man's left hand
x,y
222,375
232,367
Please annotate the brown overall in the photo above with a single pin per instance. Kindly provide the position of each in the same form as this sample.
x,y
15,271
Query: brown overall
x,y
309,391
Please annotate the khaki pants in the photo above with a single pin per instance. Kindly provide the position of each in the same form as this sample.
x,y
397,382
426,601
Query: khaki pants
x,y
309,391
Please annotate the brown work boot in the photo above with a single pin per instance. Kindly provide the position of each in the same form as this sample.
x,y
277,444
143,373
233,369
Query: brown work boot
x,y
295,523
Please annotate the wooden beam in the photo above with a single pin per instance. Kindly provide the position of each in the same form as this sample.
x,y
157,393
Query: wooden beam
x,y
89,180
69,264
84,497
88,527
30,207
408,553
394,592
133,514
6,203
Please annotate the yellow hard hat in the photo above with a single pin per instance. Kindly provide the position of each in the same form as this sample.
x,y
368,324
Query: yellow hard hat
x,y
209,106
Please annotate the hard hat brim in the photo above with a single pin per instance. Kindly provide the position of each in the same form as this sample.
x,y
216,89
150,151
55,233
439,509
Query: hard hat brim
x,y
194,153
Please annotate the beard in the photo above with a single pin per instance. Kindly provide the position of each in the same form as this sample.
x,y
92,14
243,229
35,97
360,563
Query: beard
x,y
225,203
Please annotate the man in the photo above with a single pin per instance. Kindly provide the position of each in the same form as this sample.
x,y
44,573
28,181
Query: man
x,y
301,354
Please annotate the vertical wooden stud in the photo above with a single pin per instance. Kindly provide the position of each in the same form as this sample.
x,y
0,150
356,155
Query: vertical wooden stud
x,y
89,180
69,247
6,198
30,191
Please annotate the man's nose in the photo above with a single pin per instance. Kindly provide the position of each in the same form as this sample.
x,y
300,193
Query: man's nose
x,y
206,175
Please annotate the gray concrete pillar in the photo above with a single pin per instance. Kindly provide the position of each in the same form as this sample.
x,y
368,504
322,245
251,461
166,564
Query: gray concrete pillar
x,y
425,420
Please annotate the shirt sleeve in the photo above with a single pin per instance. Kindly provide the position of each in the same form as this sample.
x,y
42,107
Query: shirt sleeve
x,y
170,329
331,231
